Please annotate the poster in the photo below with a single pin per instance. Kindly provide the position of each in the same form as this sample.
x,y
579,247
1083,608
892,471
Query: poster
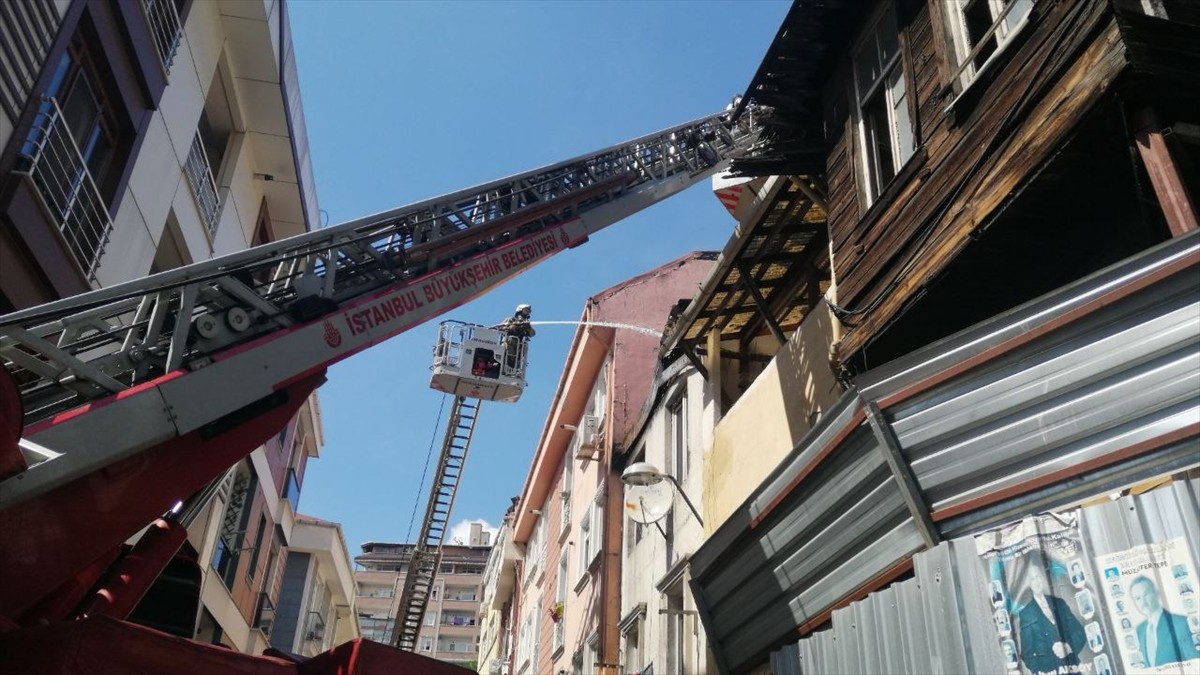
x,y
1043,597
1151,595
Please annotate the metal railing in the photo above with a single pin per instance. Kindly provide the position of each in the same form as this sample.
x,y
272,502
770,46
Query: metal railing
x,y
163,19
50,158
204,186
314,629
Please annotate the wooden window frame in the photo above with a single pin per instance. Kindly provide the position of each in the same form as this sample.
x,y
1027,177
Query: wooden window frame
x,y
963,54
871,184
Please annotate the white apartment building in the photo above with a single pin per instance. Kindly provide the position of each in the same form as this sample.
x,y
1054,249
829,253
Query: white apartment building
x,y
660,630
316,609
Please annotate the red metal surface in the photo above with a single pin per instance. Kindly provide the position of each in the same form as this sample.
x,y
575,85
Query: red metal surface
x,y
12,413
52,537
128,580
103,646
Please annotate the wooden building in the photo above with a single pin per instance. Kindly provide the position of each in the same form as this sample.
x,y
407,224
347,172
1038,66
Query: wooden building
x,y
976,155
1007,194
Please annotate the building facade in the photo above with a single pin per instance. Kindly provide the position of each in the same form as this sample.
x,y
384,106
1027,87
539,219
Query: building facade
x,y
450,630
659,628
140,136
958,301
566,603
136,137
315,610
495,608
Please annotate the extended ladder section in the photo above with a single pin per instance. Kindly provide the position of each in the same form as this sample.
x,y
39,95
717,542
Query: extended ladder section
x,y
197,348
427,552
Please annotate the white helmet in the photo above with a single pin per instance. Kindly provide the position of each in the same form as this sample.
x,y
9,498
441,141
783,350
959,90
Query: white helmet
x,y
524,310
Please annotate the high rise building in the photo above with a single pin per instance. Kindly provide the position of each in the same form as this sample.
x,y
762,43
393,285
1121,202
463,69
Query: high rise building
x,y
450,628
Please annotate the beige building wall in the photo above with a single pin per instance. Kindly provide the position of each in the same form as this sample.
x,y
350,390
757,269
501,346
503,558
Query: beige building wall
x,y
781,405
450,629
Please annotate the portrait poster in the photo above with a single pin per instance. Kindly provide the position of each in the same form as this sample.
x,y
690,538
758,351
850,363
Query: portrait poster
x,y
1043,597
1151,595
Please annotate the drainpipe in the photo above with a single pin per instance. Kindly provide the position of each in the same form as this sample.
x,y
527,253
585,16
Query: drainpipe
x,y
610,560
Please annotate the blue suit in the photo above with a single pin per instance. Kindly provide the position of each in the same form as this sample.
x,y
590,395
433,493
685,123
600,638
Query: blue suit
x,y
1173,640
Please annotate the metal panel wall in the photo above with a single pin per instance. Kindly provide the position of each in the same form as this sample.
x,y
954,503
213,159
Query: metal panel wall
x,y
1092,387
941,621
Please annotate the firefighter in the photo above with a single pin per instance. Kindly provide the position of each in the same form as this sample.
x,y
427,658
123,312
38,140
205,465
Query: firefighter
x,y
516,328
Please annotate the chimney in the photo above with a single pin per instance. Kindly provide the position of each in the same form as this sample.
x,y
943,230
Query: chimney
x,y
477,534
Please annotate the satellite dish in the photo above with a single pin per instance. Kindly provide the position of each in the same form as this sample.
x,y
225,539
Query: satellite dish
x,y
648,504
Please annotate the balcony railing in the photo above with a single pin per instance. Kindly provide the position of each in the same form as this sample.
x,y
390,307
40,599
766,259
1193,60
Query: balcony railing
x,y
204,186
265,614
163,19
314,629
50,158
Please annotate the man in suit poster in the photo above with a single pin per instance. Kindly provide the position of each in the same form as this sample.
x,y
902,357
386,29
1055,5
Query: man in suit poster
x,y
1042,594
1158,619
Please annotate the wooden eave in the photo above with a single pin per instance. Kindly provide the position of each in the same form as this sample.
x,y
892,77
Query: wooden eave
x,y
781,248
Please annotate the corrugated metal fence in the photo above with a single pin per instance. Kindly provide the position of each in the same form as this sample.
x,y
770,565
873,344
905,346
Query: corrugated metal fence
x,y
1082,391
942,621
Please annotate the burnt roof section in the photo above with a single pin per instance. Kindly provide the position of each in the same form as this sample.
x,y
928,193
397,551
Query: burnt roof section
x,y
785,95
782,247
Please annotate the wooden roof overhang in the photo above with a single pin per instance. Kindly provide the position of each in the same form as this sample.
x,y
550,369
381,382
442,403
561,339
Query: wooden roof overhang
x,y
772,271
785,94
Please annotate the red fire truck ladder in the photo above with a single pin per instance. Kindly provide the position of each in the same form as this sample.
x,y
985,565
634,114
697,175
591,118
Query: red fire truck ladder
x,y
137,395
427,551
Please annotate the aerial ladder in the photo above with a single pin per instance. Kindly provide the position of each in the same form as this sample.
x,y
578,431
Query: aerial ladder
x,y
120,403
474,363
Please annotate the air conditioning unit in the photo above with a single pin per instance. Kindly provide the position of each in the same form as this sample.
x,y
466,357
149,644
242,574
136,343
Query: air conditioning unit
x,y
589,437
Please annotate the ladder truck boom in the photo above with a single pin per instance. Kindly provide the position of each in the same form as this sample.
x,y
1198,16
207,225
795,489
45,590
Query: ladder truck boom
x,y
138,394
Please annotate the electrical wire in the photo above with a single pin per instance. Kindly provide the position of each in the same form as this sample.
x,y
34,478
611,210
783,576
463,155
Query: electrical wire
x,y
425,471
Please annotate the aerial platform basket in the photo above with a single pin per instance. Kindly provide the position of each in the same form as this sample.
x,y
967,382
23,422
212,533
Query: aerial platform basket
x,y
479,362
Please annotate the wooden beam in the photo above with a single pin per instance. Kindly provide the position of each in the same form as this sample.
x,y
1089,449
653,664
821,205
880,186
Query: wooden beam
x,y
761,304
1173,196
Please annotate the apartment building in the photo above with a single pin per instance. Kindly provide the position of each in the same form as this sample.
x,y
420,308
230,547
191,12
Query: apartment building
x,y
316,609
136,137
450,629
495,607
566,601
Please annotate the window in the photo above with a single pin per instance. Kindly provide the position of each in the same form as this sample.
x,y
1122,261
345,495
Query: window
x,y
233,525
885,133
980,28
426,644
591,532
678,441
675,633
568,478
560,600
258,540
633,657
585,542
78,146
430,618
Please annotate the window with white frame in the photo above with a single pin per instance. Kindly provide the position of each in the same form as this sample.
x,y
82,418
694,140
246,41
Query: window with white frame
x,y
585,542
980,29
678,438
885,133
536,548
560,600
564,493
426,644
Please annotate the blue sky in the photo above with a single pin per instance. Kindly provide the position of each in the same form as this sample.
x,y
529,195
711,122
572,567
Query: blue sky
x,y
409,100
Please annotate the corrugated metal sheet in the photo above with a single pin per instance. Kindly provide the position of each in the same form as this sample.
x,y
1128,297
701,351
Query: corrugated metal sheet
x,y
941,621
1094,385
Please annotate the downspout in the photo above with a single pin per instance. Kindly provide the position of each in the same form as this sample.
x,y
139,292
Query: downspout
x,y
610,561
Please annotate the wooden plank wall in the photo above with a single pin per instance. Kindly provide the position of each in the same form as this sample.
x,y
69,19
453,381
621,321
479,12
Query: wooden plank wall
x,y
971,158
